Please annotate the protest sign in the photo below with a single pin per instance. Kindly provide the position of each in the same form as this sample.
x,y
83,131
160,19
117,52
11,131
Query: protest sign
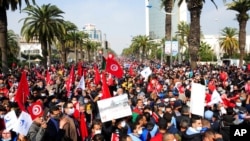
x,y
114,108
197,101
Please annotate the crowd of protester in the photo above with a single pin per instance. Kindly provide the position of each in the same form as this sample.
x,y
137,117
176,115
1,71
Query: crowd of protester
x,y
158,113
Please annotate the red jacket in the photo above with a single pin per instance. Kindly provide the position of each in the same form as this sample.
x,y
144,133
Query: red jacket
x,y
157,137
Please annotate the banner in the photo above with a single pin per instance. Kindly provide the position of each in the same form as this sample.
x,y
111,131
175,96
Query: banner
x,y
197,101
114,108
171,47
81,83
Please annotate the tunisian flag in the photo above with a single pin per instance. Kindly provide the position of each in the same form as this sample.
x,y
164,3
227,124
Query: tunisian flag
x,y
22,92
105,88
97,75
114,68
70,81
36,110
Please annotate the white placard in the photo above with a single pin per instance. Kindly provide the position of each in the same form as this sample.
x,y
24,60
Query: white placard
x,y
24,122
10,120
114,108
197,101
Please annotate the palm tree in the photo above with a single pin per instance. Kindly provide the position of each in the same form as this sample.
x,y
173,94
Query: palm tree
x,y
228,40
242,7
141,42
64,38
205,52
195,8
12,45
183,33
43,23
4,6
91,46
168,6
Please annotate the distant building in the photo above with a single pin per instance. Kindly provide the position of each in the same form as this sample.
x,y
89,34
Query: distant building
x,y
94,33
155,18
213,41
31,48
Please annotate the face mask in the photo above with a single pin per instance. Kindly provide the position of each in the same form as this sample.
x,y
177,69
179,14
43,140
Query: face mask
x,y
98,131
150,112
238,104
163,109
51,93
123,124
198,128
138,91
140,132
242,99
1,116
71,111
86,100
6,139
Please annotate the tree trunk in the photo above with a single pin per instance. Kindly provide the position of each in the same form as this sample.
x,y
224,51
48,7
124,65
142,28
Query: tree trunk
x,y
88,51
194,36
3,38
64,54
49,54
44,52
242,39
168,5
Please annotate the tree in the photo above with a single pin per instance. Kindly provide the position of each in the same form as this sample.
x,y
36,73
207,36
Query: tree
x,y
182,34
12,46
91,46
44,23
4,6
141,42
194,7
242,7
205,52
228,40
64,38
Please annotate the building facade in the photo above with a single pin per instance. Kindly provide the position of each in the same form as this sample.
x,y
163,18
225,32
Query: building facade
x,y
94,33
155,18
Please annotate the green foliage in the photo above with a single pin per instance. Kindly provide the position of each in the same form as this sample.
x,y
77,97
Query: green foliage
x,y
206,53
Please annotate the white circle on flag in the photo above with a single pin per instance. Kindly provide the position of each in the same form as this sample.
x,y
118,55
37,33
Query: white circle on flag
x,y
36,110
114,67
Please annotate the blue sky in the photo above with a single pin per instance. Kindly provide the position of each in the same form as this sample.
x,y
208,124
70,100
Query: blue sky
x,y
122,19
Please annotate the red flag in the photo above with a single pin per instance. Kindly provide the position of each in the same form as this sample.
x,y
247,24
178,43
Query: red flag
x,y
36,110
114,68
39,75
83,126
131,71
110,80
97,75
105,88
70,81
22,92
79,69
82,121
115,137
48,77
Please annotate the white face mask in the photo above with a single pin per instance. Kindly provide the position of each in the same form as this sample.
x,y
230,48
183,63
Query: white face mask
x,y
123,124
238,104
6,139
71,111
150,112
98,132
163,109
86,101
198,128
140,132
1,116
